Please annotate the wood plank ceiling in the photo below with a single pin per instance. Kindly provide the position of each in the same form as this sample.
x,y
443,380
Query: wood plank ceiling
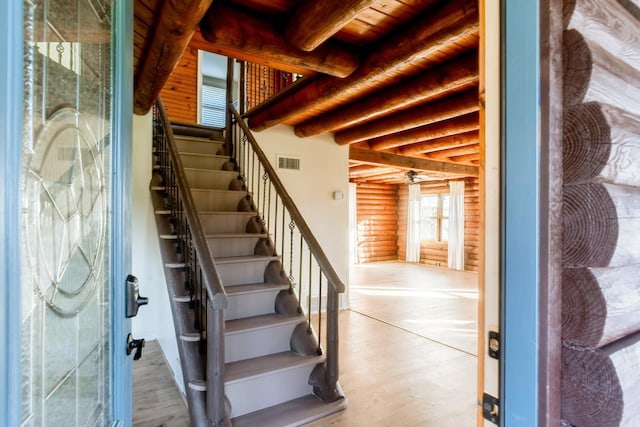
x,y
397,80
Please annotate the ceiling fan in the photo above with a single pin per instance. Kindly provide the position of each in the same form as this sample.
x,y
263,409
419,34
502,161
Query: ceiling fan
x,y
414,177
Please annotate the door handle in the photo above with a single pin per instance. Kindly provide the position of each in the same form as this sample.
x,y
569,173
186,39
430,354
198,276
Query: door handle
x,y
133,298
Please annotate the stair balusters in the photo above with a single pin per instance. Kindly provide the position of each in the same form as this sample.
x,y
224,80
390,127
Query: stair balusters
x,y
317,286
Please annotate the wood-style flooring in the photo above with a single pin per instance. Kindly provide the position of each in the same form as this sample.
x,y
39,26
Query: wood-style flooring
x,y
407,353
156,399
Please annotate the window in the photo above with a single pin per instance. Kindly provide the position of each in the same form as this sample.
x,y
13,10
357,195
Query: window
x,y
434,217
214,94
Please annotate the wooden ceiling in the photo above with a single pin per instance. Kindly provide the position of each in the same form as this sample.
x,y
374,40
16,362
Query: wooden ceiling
x,y
397,80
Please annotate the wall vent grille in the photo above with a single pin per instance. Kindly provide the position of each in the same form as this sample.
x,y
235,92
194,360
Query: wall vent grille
x,y
288,163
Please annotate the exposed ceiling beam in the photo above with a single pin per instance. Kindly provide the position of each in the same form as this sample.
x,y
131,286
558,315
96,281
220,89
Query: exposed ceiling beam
x,y
314,21
454,152
465,158
231,27
459,140
177,21
457,75
198,42
420,115
462,124
411,163
456,21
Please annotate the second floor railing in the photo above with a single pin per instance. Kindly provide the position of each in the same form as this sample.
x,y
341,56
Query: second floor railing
x,y
303,262
261,83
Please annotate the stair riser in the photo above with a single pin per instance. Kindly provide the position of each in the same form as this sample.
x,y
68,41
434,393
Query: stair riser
x,y
202,162
198,146
232,246
220,223
242,273
248,305
217,200
258,342
267,390
212,180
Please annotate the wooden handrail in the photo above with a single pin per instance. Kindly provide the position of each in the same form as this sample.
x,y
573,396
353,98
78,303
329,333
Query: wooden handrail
x,y
296,216
210,276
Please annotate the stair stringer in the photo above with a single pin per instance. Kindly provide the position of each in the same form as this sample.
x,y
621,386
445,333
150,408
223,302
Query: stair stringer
x,y
192,361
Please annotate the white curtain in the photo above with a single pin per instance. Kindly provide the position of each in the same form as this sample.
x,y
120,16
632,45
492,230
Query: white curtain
x,y
413,224
456,225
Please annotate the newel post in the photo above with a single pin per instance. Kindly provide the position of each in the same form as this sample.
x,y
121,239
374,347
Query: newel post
x,y
215,403
332,337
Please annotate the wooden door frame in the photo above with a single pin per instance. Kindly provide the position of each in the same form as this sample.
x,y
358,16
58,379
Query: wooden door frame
x,y
11,105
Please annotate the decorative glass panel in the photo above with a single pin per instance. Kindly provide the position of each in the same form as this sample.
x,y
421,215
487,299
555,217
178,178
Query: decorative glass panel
x,y
65,220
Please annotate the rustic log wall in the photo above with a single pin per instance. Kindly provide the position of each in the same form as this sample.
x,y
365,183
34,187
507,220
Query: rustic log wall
x,y
436,253
180,93
601,214
377,222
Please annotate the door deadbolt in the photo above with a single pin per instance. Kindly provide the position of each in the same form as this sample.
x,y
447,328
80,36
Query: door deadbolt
x,y
133,298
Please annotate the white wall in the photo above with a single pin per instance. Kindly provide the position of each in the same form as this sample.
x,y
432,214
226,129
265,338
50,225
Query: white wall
x,y
324,168
154,320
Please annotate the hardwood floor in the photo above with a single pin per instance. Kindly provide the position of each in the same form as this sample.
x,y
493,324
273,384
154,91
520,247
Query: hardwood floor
x,y
407,351
157,402
436,303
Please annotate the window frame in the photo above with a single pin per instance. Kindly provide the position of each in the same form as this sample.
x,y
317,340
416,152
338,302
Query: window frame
x,y
438,218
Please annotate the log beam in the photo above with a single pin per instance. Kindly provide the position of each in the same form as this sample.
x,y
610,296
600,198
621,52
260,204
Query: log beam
x,y
233,28
457,125
199,42
452,141
599,386
457,105
410,163
453,152
457,75
315,21
601,143
600,223
591,73
596,307
177,22
427,37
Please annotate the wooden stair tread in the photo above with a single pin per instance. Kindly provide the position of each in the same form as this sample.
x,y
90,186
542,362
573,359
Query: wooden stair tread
x,y
216,190
213,156
243,213
236,235
218,171
254,288
261,322
248,258
258,366
197,138
295,412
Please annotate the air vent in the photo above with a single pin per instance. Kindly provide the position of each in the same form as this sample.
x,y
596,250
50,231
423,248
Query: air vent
x,y
288,163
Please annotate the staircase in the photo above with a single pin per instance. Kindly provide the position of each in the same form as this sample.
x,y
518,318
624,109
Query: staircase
x,y
271,353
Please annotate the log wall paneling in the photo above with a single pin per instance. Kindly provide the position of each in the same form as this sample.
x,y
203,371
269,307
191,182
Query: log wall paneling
x,y
471,224
180,93
601,214
377,222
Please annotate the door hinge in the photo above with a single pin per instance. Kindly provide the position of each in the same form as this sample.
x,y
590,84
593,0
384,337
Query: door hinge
x,y
491,408
494,344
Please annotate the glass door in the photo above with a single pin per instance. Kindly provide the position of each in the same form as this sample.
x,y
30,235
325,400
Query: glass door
x,y
70,169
